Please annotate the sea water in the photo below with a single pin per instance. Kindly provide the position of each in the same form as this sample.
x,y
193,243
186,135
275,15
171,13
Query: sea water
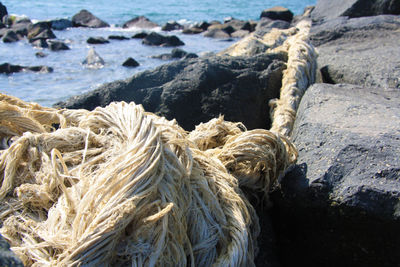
x,y
70,77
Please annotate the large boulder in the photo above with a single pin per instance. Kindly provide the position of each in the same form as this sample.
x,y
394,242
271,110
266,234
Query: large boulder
x,y
40,30
361,51
86,19
328,9
10,37
156,39
57,45
277,13
197,90
340,205
140,22
175,54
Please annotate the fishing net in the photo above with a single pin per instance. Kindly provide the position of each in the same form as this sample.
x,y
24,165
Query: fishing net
x,y
118,186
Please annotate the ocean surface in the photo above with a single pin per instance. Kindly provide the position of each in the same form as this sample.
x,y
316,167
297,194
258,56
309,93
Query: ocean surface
x,y
70,77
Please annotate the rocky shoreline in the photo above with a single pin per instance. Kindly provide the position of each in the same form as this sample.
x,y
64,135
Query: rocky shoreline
x,y
340,204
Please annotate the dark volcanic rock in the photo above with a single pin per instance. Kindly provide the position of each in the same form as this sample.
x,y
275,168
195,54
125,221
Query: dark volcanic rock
x,y
10,37
7,68
60,24
140,22
193,30
265,25
340,205
3,11
130,62
161,40
118,37
41,43
57,45
361,51
7,257
86,19
40,30
277,13
176,53
140,35
196,90
327,9
217,33
97,40
172,26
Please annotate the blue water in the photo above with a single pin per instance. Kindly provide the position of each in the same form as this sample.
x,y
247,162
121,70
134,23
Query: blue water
x,y
70,77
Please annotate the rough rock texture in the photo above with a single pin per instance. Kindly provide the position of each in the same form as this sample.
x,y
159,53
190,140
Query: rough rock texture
x,y
277,13
328,9
140,22
140,35
216,33
363,51
7,257
157,39
86,19
340,205
40,30
265,25
196,90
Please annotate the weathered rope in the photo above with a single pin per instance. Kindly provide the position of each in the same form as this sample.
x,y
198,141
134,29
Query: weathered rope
x,y
118,186
128,187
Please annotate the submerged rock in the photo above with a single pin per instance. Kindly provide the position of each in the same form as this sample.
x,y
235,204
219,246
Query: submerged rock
x,y
172,26
10,37
196,90
118,37
175,54
339,206
93,60
86,19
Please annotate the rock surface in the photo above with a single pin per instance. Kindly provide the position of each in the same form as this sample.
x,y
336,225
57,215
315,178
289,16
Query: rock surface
x,y
86,19
175,54
156,39
340,205
93,60
328,9
97,40
57,45
40,30
196,90
171,26
140,22
8,68
277,13
7,257
10,37
361,51
60,24
3,11
130,62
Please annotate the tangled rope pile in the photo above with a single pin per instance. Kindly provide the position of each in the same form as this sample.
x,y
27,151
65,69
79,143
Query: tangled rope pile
x,y
118,186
